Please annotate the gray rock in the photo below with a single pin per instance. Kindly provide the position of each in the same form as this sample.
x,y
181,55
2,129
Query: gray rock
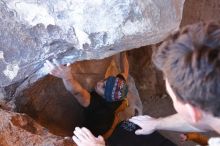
x,y
32,31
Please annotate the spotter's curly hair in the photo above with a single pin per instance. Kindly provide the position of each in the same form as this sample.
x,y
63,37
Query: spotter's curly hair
x,y
190,60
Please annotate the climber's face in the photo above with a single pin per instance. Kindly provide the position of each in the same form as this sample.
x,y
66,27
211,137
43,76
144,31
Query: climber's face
x,y
100,87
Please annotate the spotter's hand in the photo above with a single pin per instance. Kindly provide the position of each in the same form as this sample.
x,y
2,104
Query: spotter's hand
x,y
83,137
148,124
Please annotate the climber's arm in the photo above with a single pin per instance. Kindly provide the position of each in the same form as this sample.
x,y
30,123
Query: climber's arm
x,y
72,85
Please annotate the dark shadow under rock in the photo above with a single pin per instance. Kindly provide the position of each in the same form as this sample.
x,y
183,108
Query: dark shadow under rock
x,y
52,106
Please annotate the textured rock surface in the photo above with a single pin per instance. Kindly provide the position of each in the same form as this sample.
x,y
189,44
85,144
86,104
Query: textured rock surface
x,y
204,11
34,30
21,130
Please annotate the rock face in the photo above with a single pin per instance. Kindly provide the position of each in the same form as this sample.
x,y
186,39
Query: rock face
x,y
35,30
21,130
205,11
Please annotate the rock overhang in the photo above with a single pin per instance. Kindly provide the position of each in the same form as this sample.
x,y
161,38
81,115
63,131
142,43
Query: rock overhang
x,y
33,31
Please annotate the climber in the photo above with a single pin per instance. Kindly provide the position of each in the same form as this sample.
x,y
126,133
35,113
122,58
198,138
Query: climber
x,y
101,104
190,62
102,107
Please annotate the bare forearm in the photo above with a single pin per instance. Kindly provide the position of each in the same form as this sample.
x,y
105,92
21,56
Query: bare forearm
x,y
64,72
78,92
176,123
72,85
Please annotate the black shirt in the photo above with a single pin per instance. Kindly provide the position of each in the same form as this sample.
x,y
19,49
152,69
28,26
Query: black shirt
x,y
124,135
100,114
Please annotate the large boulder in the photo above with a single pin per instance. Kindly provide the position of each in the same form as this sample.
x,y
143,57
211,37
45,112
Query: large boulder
x,y
32,31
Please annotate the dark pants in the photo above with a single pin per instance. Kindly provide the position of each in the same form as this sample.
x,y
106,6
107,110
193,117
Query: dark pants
x,y
124,135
